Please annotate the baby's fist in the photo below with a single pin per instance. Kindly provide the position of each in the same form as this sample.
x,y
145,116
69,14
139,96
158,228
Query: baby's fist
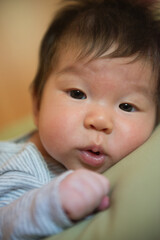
x,y
82,192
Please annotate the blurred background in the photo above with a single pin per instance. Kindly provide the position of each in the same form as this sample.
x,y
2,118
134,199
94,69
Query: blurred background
x,y
22,25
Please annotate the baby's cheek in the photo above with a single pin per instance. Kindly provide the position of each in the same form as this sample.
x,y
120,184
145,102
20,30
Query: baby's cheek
x,y
133,142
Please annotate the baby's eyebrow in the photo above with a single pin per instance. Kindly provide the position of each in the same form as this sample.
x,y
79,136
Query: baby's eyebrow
x,y
144,90
69,69
147,92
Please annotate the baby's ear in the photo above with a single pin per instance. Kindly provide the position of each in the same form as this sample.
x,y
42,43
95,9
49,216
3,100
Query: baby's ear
x,y
35,109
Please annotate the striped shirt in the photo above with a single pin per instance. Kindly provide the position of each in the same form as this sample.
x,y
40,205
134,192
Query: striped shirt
x,y
29,201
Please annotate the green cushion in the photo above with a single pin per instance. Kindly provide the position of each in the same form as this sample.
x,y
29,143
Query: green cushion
x,y
135,200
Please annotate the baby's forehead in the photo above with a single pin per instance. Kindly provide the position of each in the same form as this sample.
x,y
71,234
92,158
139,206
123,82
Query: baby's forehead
x,y
130,69
71,58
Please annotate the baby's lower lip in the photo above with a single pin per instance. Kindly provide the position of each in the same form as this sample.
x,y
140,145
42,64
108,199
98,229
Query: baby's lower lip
x,y
92,159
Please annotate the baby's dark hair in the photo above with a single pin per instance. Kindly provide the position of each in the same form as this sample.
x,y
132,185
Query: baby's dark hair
x,y
127,27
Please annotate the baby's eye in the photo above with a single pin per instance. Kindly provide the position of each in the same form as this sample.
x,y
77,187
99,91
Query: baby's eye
x,y
127,107
77,94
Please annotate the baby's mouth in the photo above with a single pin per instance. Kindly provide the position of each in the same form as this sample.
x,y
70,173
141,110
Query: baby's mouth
x,y
96,153
92,157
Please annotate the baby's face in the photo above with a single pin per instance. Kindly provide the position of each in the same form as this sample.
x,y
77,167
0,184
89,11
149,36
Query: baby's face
x,y
93,114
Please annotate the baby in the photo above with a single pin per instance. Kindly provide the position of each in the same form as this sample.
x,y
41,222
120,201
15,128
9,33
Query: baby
x,y
95,100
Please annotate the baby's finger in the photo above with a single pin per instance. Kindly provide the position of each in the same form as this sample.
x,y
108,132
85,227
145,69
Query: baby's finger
x,y
104,204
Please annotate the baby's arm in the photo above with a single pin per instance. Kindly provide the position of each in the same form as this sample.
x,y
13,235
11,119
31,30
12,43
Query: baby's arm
x,y
35,214
38,213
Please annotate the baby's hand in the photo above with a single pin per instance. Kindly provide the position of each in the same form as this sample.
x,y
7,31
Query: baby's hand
x,y
82,192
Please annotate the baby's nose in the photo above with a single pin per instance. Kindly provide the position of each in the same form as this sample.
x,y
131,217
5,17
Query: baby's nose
x,y
99,120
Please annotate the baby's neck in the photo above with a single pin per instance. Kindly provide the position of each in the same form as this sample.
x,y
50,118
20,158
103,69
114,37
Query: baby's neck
x,y
35,139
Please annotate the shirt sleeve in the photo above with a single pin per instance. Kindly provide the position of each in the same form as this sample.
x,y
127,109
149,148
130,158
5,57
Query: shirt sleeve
x,y
30,207
37,213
